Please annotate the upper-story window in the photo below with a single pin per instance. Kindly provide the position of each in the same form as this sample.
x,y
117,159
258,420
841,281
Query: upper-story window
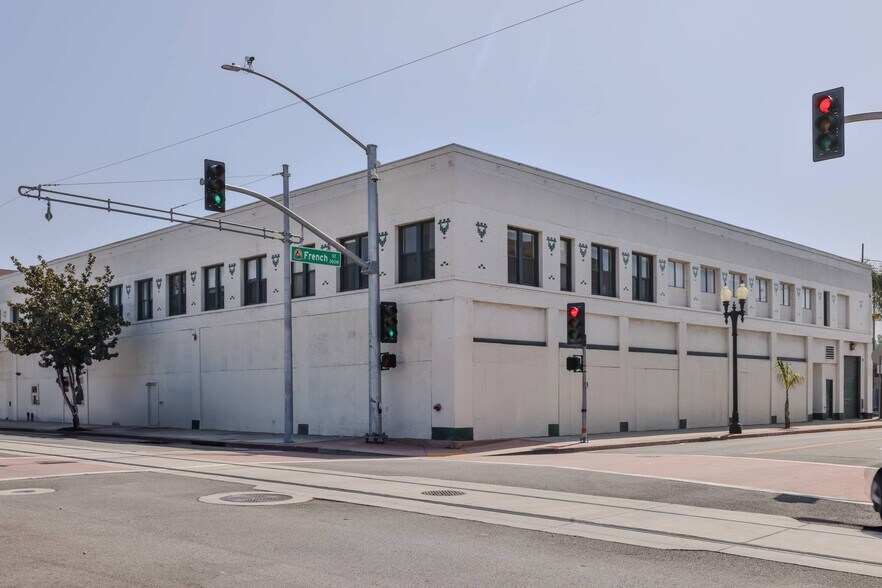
x,y
15,316
255,280
603,270
212,278
737,280
177,294
785,294
708,280
762,290
642,285
416,251
807,295
523,258
144,289
302,278
676,274
566,264
114,300
351,277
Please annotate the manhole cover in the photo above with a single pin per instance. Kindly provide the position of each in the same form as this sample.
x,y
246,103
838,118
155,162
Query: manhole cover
x,y
22,491
443,493
252,497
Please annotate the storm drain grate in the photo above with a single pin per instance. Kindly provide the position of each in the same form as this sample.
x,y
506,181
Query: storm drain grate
x,y
255,497
443,493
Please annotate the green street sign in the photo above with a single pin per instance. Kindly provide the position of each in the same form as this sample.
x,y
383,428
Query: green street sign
x,y
315,256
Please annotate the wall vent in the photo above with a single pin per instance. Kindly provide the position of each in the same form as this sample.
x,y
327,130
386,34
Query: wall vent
x,y
831,352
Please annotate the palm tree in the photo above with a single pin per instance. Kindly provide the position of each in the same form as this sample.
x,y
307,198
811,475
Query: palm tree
x,y
788,378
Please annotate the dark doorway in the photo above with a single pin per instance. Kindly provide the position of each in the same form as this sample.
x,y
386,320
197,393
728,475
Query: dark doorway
x,y
829,399
852,398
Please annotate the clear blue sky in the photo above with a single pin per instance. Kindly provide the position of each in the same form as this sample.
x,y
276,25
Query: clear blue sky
x,y
702,105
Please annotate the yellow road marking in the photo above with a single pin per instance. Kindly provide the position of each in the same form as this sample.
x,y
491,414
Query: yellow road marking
x,y
766,451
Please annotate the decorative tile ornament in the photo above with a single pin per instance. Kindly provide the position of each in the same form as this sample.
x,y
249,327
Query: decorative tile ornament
x,y
583,249
726,279
694,271
775,285
193,276
382,238
626,256
661,264
275,257
232,268
158,284
750,281
834,298
482,230
552,242
128,289
798,292
444,226
325,246
819,296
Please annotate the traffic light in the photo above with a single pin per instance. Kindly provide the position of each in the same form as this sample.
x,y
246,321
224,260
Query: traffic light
x,y
576,323
574,364
828,122
215,182
388,361
388,322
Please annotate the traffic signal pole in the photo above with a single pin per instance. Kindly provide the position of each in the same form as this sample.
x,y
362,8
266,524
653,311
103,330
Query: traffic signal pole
x,y
286,304
584,437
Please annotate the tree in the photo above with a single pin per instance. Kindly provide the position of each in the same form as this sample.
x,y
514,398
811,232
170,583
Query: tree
x,y
67,319
788,378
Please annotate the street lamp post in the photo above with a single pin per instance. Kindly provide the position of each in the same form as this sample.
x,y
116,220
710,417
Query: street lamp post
x,y
375,416
726,297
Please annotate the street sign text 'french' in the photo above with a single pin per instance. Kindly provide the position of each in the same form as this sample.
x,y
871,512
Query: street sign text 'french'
x,y
315,256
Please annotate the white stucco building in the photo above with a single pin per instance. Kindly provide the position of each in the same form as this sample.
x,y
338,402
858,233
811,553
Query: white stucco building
x,y
482,255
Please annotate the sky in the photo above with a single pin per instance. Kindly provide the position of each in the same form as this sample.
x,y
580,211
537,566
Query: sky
x,y
700,105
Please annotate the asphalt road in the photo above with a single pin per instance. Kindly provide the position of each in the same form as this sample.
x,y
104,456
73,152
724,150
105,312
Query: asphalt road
x,y
147,529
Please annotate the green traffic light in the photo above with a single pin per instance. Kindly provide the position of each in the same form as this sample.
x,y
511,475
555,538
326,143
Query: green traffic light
x,y
825,143
217,199
391,333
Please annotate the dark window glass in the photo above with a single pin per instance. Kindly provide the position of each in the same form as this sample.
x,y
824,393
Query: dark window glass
x,y
566,264
416,257
763,295
523,258
145,299
642,287
785,294
213,287
708,280
177,294
603,271
302,279
351,277
15,316
114,300
255,280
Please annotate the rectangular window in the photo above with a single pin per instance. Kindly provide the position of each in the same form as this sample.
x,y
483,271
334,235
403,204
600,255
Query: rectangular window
x,y
826,309
642,285
566,265
255,280
737,280
676,274
603,270
708,280
523,257
763,290
416,251
807,296
351,277
144,290
785,294
213,297
15,316
114,299
302,278
177,294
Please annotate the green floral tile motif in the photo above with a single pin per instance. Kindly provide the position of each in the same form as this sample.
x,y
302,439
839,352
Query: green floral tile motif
x,y
275,258
583,250
482,230
444,226
626,257
382,238
552,243
662,263
232,268
193,276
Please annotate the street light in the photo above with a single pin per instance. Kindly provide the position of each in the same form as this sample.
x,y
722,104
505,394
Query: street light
x,y
726,297
375,417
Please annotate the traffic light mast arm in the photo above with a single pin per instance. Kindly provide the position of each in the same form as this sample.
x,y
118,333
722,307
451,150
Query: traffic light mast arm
x,y
863,116
317,232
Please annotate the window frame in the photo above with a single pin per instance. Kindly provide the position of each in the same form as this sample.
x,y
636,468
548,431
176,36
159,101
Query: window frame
x,y
258,289
347,265
703,278
785,294
111,298
807,295
672,275
639,281
566,265
207,294
177,307
140,287
425,257
600,277
308,271
520,259
763,290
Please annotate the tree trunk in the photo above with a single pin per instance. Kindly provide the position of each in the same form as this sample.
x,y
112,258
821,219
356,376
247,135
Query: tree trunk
x,y
786,408
75,417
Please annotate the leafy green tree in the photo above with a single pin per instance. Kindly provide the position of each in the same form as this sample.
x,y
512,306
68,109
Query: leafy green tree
x,y
67,320
789,379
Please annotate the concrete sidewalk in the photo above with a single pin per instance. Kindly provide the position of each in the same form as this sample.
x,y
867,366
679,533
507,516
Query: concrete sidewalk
x,y
427,448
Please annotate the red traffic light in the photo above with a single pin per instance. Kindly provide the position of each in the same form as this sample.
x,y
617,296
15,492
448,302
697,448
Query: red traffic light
x,y
825,104
574,311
